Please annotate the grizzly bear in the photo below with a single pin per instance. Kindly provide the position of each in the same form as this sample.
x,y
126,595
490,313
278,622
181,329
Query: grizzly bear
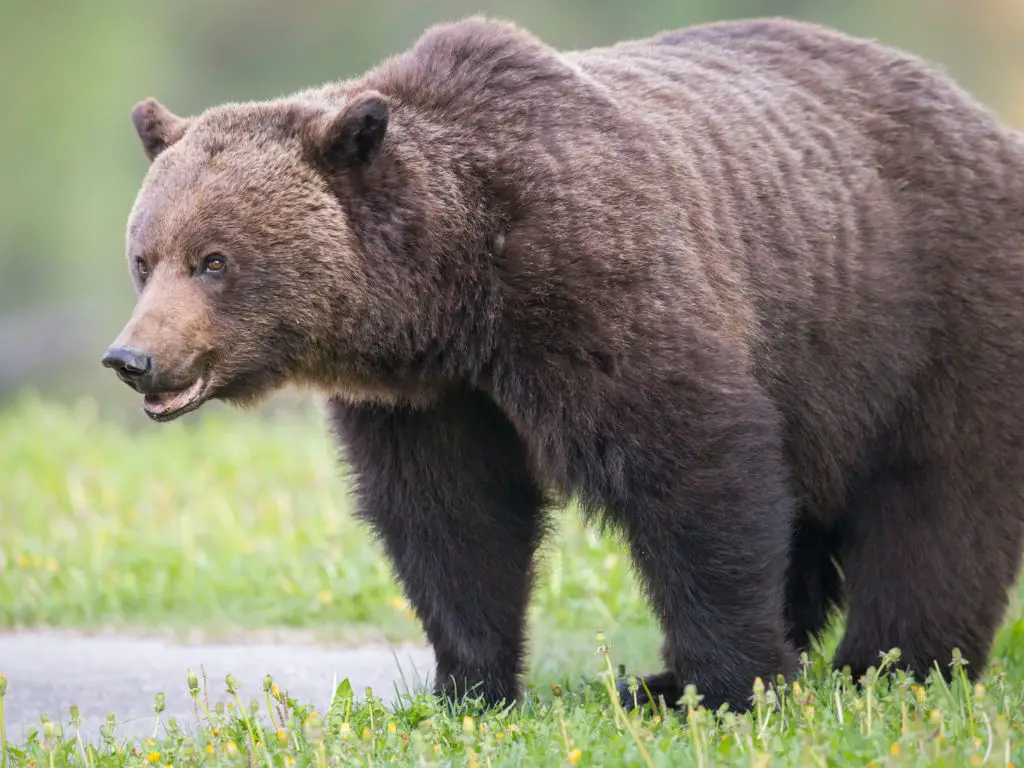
x,y
751,292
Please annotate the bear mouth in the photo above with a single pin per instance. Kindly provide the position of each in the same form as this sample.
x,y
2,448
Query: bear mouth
x,y
170,404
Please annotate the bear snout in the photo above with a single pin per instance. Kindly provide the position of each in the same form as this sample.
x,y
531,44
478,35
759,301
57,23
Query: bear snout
x,y
133,367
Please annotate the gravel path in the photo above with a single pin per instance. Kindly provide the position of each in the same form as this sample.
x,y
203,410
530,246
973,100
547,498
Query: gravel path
x,y
47,672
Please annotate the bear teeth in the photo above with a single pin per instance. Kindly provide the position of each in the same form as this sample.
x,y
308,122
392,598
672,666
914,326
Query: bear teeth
x,y
164,403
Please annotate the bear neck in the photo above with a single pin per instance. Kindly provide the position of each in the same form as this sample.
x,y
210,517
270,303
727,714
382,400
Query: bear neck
x,y
455,211
425,240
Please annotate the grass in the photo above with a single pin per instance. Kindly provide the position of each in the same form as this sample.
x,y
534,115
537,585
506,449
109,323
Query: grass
x,y
233,523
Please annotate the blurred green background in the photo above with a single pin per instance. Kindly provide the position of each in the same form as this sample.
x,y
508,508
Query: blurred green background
x,y
70,163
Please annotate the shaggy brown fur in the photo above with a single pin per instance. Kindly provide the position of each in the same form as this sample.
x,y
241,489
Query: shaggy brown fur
x,y
753,292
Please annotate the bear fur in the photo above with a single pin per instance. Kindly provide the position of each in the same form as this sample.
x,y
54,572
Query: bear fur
x,y
752,292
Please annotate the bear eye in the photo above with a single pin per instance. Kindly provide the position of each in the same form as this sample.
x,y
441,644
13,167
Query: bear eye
x,y
141,266
214,263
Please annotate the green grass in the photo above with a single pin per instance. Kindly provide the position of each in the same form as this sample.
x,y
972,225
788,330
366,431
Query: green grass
x,y
232,522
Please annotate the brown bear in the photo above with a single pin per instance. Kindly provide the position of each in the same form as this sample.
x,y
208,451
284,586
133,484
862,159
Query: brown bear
x,y
751,292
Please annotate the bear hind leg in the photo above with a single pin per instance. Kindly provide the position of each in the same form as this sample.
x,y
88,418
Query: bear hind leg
x,y
929,555
813,583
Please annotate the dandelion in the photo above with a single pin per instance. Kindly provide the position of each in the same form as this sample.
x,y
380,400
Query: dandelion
x,y
23,561
345,729
467,724
392,728
575,755
437,748
153,757
895,749
231,748
324,597
282,735
209,749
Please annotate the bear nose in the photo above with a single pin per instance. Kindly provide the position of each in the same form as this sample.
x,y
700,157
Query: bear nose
x,y
129,364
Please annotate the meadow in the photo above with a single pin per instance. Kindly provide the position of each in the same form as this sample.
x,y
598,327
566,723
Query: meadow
x,y
231,524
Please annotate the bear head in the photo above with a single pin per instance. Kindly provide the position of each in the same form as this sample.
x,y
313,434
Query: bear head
x,y
240,246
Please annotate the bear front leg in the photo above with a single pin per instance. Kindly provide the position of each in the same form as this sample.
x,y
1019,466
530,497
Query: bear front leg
x,y
709,520
447,491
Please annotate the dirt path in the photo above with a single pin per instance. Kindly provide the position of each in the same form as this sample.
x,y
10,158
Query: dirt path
x,y
47,672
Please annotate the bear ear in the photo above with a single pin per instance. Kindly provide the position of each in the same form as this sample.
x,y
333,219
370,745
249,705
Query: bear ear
x,y
157,127
351,137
